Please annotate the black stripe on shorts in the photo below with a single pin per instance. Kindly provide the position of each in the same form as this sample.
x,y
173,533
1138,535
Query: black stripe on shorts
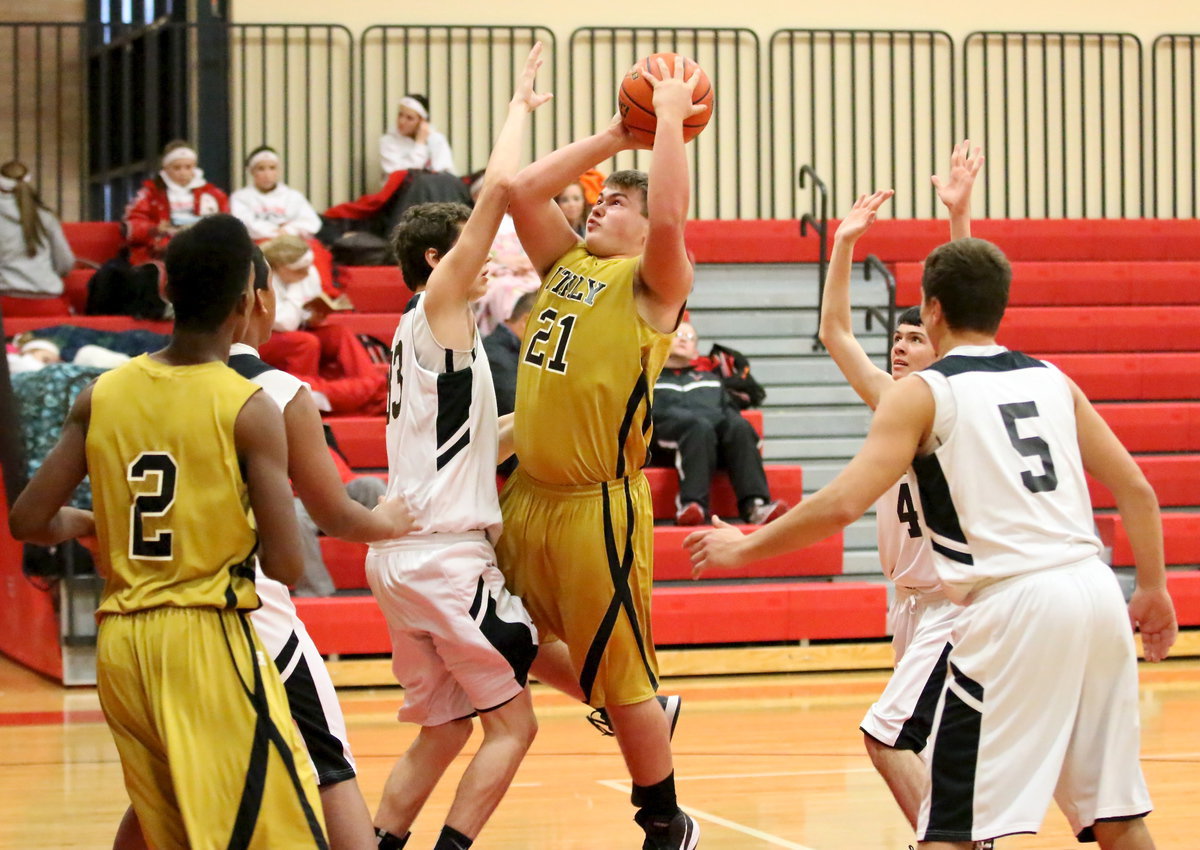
x,y
955,756
914,734
324,748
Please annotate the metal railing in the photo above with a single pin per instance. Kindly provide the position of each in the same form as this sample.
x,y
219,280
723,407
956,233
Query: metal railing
x,y
868,109
1173,171
817,219
1061,117
888,320
726,160
466,72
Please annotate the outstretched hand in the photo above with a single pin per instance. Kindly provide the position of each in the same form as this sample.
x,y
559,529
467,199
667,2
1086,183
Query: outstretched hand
x,y
673,93
955,190
714,548
525,95
1152,613
862,215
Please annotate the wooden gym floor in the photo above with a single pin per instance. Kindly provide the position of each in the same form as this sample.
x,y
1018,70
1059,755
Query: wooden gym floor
x,y
762,761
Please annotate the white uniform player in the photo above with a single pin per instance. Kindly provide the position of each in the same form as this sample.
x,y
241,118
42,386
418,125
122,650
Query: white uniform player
x,y
920,620
1042,680
310,691
461,643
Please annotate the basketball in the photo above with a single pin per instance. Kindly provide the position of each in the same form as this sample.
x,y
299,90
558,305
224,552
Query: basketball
x,y
636,98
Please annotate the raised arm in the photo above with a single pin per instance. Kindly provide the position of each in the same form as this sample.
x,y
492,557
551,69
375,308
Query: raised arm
x,y
320,487
261,445
837,326
447,294
1150,609
39,515
665,273
543,229
903,419
955,190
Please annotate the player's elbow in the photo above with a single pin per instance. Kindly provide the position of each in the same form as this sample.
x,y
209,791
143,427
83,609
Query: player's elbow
x,y
287,570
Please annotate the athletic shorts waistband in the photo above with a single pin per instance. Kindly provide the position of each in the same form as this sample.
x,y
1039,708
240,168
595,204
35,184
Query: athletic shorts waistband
x,y
581,491
429,541
1089,563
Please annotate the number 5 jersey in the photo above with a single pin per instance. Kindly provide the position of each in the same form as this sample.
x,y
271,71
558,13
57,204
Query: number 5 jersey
x,y
172,508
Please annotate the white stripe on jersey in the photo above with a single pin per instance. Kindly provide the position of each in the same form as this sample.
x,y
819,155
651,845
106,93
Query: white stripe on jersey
x,y
1004,492
442,434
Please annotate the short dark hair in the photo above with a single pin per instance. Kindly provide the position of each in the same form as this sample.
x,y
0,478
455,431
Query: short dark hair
x,y
910,316
208,267
523,306
631,178
262,269
970,279
423,226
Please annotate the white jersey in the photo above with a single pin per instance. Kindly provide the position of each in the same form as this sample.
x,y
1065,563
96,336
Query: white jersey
x,y
1002,485
442,435
904,551
276,619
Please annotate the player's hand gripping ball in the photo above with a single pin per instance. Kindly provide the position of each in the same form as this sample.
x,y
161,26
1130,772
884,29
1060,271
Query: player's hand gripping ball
x,y
636,98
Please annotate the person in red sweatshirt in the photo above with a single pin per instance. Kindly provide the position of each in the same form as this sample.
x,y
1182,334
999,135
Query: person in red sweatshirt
x,y
174,198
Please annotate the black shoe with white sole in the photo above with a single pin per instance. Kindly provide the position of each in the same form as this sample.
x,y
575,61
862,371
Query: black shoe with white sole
x,y
678,832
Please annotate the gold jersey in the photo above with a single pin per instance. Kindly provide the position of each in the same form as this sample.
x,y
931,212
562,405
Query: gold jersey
x,y
172,508
587,369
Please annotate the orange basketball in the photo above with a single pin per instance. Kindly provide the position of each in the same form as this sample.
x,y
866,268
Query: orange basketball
x,y
636,98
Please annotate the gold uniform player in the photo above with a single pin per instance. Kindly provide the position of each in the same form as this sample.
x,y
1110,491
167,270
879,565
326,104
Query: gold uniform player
x,y
179,448
577,544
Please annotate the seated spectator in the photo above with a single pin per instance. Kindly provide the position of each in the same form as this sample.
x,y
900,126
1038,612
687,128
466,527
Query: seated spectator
x,y
328,357
269,207
34,254
695,416
510,275
413,144
176,197
575,207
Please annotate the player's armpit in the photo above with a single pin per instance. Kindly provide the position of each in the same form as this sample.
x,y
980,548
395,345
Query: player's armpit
x,y
262,447
38,516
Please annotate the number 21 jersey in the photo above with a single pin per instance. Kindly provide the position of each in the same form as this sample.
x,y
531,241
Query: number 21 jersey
x,y
1003,492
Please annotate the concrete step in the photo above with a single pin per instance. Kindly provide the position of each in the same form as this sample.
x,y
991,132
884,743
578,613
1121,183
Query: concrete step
x,y
791,396
807,449
817,421
861,562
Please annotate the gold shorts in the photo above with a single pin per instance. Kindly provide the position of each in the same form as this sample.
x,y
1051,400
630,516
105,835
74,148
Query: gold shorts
x,y
200,718
582,560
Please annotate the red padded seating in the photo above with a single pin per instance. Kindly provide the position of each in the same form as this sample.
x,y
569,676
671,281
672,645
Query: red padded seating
x,y
1155,427
786,482
1175,478
1181,538
1132,376
374,289
95,241
382,326
1101,329
14,307
102,323
1184,588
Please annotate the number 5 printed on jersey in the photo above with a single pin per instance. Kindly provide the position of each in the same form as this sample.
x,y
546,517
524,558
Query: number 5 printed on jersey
x,y
1029,446
541,343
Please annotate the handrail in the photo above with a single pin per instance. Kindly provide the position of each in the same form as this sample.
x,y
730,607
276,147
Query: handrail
x,y
889,280
820,224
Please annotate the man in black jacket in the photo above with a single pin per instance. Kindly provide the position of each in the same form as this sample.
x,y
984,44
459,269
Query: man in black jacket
x,y
695,416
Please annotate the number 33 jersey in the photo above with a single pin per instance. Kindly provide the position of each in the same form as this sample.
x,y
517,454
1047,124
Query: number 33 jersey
x,y
588,363
1003,492
172,508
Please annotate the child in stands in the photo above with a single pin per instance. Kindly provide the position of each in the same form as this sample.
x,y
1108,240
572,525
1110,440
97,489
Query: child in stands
x,y
168,202
268,206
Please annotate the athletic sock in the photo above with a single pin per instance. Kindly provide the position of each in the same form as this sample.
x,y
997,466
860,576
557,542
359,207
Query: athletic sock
x,y
387,841
452,839
656,799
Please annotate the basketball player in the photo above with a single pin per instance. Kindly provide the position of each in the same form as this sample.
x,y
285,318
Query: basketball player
x,y
1039,700
178,446
461,644
311,696
896,728
578,541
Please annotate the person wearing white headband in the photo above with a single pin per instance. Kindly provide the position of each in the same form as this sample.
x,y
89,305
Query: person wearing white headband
x,y
176,197
269,207
413,144
34,254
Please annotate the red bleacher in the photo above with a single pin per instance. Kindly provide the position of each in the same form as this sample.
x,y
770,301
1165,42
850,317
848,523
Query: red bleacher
x,y
374,289
1181,538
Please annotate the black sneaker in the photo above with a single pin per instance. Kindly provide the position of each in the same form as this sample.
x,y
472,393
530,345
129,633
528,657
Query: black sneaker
x,y
670,706
679,832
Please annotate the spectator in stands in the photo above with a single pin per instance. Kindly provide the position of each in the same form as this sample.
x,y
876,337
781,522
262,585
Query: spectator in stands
x,y
414,144
695,416
329,357
510,275
573,202
503,347
34,254
174,198
268,206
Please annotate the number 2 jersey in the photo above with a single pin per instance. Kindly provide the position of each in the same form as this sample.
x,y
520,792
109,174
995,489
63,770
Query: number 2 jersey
x,y
1003,491
172,508
442,433
586,373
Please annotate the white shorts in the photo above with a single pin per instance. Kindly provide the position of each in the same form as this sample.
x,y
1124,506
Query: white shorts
x,y
921,625
1040,702
311,695
461,643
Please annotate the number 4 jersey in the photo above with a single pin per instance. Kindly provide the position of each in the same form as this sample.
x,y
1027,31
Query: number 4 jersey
x,y
1002,490
172,508
588,363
